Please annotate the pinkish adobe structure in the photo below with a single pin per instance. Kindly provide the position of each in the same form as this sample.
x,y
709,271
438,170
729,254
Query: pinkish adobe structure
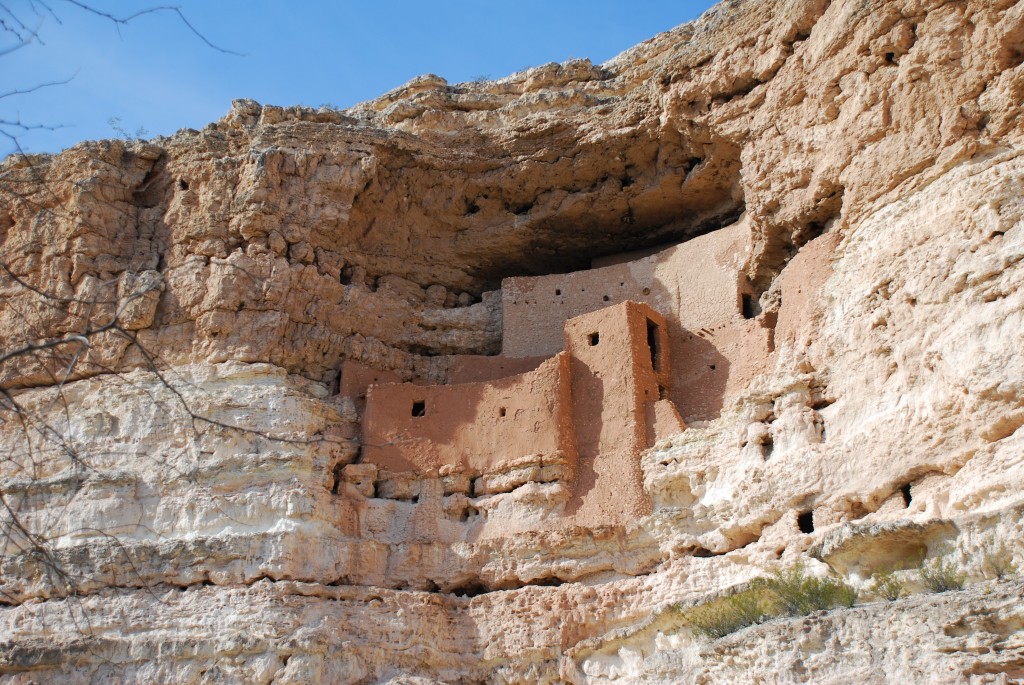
x,y
596,366
717,342
581,417
590,375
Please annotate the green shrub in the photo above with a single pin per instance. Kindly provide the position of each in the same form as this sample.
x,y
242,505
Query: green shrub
x,y
998,562
941,574
846,595
726,615
886,585
797,593
790,592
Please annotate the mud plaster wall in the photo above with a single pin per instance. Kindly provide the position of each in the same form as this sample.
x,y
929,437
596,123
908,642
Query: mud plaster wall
x,y
799,286
476,427
355,379
695,285
476,368
663,421
613,382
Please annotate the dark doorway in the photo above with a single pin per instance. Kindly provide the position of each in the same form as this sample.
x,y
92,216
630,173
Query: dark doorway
x,y
654,344
749,311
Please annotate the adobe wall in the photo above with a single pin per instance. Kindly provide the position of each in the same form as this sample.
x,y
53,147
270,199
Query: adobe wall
x,y
614,380
355,379
478,368
624,257
663,421
695,285
477,427
800,287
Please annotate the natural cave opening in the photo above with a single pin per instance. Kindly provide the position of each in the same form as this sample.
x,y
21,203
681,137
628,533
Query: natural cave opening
x,y
562,244
469,589
907,496
805,522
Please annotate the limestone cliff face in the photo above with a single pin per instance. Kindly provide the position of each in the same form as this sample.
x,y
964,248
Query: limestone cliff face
x,y
184,491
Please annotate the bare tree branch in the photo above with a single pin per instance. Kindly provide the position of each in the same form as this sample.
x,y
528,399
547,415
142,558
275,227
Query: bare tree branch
x,y
33,89
175,9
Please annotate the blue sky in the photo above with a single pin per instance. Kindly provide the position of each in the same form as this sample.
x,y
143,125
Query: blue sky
x,y
156,75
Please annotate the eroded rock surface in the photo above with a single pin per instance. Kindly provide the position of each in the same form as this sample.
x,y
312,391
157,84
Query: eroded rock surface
x,y
187,468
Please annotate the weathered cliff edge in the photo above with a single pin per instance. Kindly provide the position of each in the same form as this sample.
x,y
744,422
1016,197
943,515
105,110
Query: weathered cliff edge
x,y
192,513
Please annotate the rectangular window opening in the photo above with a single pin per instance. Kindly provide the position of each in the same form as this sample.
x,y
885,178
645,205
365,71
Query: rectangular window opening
x,y
501,411
594,338
654,344
419,408
748,306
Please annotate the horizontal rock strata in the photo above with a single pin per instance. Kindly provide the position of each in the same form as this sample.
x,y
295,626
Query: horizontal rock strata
x,y
184,491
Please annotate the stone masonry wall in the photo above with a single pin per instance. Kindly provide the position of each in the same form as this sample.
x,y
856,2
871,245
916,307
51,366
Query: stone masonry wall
x,y
473,427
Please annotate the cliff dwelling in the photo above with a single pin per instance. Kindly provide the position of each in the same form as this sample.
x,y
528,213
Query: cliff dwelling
x,y
565,378
595,367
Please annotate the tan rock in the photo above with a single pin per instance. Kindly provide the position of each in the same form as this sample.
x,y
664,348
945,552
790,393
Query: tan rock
x,y
821,199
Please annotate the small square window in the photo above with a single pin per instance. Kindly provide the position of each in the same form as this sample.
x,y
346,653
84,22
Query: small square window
x,y
419,408
594,338
501,411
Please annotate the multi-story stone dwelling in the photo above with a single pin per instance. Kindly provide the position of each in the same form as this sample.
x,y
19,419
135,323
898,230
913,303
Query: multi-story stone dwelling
x,y
596,366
